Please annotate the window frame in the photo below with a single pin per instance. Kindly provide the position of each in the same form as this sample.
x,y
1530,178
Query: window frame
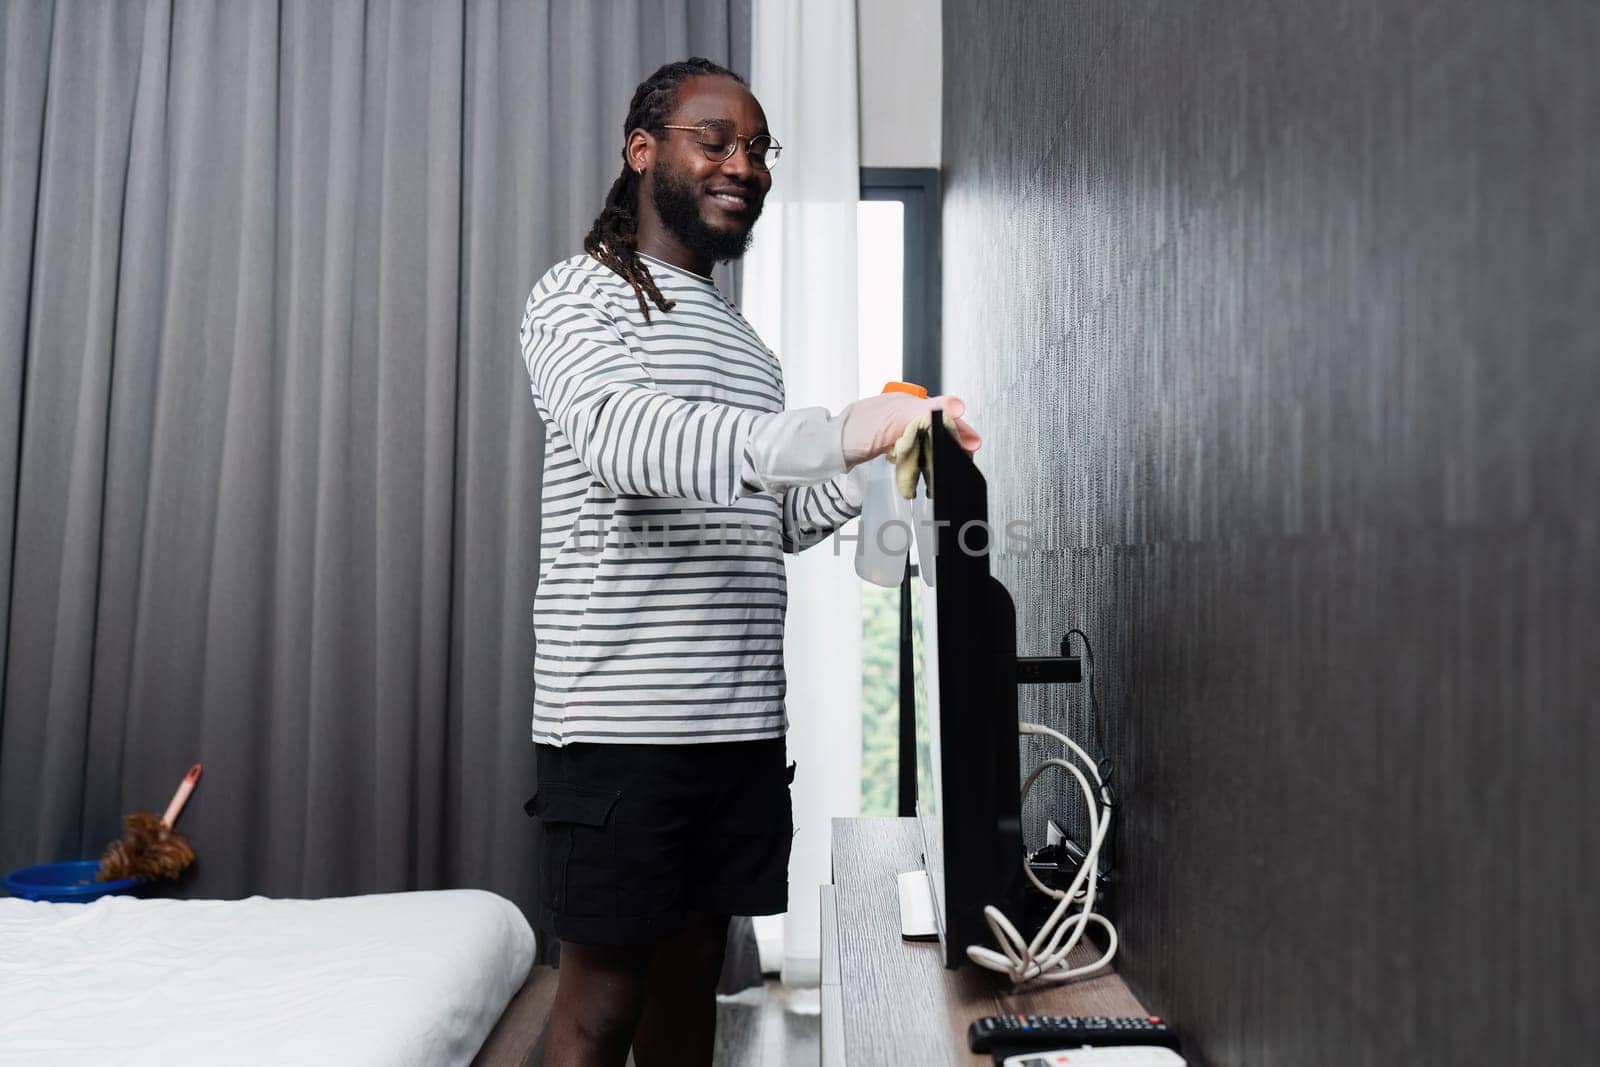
x,y
919,191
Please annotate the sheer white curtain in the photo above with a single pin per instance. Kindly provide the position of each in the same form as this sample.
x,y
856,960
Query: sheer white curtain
x,y
800,294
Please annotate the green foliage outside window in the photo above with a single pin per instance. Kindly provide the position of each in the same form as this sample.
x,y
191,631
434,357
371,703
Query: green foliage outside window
x,y
880,700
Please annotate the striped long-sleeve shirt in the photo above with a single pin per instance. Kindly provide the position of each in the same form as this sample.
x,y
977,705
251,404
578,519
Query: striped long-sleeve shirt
x,y
659,612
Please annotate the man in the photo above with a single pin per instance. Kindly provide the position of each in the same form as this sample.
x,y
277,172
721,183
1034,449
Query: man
x,y
673,481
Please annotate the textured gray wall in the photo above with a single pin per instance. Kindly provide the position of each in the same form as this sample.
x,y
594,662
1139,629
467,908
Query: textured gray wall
x,y
1281,318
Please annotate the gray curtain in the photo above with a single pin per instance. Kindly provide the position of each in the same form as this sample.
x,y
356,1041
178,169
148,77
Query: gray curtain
x,y
269,471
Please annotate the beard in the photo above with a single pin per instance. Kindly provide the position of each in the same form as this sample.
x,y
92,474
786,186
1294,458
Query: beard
x,y
679,209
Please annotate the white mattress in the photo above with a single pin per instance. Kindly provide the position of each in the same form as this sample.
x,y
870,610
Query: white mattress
x,y
400,978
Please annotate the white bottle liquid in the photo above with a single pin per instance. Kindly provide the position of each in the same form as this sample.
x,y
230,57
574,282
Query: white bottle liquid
x,y
885,527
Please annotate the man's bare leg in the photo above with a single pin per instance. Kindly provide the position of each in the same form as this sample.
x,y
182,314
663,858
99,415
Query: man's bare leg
x,y
678,1027
599,995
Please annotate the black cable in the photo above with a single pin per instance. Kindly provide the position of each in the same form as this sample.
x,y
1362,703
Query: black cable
x,y
1101,742
1095,724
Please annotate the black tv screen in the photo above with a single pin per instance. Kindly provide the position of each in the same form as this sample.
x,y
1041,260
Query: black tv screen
x,y
968,782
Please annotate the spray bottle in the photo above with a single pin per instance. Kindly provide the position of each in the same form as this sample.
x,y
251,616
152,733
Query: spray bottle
x,y
886,531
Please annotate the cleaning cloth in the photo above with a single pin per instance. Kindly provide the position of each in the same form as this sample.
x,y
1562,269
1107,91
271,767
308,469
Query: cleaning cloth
x,y
912,454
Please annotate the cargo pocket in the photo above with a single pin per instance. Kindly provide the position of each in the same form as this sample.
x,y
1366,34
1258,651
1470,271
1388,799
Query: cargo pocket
x,y
788,798
578,858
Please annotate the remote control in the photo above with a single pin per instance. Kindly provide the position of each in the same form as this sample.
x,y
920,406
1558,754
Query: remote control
x,y
1060,1031
1114,1056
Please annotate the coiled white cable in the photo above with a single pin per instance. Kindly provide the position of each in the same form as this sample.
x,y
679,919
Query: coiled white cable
x,y
1044,959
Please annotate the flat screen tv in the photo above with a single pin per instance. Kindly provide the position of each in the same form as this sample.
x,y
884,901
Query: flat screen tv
x,y
968,782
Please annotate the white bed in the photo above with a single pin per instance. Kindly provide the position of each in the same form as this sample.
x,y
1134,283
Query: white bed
x,y
400,978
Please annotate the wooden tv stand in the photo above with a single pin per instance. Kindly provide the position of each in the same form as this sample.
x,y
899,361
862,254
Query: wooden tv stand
x,y
886,1001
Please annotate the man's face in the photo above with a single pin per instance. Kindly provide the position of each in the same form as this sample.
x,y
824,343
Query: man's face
x,y
710,206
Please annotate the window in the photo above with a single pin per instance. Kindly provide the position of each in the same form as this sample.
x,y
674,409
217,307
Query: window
x,y
897,260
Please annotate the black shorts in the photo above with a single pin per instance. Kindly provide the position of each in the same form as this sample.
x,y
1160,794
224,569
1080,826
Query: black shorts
x,y
633,837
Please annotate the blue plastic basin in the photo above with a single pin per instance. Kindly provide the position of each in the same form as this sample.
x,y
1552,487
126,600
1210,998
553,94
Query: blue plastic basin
x,y
71,882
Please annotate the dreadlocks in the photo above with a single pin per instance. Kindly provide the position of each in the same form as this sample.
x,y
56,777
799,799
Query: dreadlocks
x,y
611,239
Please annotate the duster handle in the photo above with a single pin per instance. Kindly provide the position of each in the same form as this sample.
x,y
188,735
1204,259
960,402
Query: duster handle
x,y
181,797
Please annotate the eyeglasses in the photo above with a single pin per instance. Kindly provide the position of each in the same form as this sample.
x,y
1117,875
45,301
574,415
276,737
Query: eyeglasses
x,y
719,142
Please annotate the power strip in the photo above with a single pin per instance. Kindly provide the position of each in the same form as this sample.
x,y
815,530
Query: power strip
x,y
1118,1056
